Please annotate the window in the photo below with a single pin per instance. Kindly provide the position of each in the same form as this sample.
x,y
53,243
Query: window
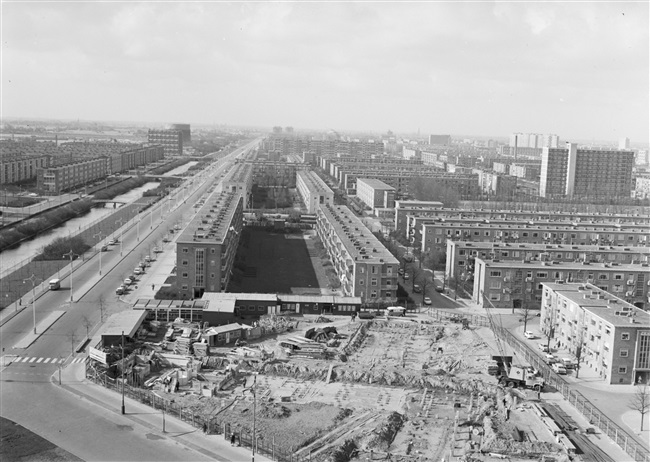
x,y
362,270
184,263
361,282
461,252
622,369
624,353
184,287
618,288
542,274
603,277
618,277
461,262
495,297
373,282
185,275
212,250
495,284
625,336
495,274
185,250
389,295
373,270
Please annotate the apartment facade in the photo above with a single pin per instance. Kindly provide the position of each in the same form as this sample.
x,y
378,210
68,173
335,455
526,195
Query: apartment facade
x,y
18,167
55,179
313,191
375,193
518,284
462,254
607,334
364,266
579,172
170,140
205,251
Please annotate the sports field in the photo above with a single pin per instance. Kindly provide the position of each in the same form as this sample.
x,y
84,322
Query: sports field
x,y
273,262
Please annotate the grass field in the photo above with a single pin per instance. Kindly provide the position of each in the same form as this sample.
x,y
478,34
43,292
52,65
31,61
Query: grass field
x,y
274,262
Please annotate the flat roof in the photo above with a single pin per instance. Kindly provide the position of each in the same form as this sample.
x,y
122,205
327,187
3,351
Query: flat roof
x,y
376,184
538,265
214,219
128,321
602,304
549,247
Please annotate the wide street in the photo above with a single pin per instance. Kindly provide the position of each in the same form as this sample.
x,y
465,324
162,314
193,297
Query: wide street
x,y
27,395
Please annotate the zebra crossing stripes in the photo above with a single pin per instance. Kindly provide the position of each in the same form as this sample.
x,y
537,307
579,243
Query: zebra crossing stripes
x,y
40,360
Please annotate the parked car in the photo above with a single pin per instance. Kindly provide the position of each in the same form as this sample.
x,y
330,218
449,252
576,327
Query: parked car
x,y
558,368
529,335
137,270
147,258
406,276
366,315
550,358
400,271
104,248
543,347
416,288
112,242
128,281
119,290
427,301
439,289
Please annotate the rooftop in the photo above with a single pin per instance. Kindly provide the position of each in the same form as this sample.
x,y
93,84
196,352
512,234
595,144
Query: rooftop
x,y
214,219
566,265
602,304
375,183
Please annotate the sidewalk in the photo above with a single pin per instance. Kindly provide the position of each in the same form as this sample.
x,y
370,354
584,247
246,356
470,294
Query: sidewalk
x,y
214,446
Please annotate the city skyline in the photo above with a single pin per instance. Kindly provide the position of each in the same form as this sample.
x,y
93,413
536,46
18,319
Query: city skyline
x,y
577,69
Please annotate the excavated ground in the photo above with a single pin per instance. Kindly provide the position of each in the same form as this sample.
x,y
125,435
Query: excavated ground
x,y
403,386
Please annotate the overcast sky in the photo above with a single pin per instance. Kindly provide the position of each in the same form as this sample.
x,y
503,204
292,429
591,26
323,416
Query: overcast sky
x,y
580,70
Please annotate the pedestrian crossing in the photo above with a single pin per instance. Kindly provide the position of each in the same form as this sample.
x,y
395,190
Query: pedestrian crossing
x,y
34,360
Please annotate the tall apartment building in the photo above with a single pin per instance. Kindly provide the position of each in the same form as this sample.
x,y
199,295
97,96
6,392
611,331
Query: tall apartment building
x,y
533,140
609,335
440,140
578,172
624,144
313,191
205,251
375,193
364,266
518,284
59,178
239,179
170,140
186,133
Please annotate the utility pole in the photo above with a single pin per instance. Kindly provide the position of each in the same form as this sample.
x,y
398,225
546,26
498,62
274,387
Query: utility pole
x,y
100,250
123,367
71,254
32,279
121,222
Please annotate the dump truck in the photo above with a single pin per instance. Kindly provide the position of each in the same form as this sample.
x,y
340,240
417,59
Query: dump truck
x,y
515,376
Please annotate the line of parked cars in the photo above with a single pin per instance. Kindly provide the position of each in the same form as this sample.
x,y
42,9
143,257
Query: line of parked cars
x,y
138,270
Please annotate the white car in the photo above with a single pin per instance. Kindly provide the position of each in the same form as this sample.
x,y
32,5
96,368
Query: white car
x,y
128,282
137,270
529,335
427,301
559,368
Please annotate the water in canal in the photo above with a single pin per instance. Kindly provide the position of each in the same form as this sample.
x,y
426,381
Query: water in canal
x,y
29,249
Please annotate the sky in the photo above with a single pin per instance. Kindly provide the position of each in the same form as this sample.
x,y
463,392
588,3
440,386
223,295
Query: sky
x,y
576,69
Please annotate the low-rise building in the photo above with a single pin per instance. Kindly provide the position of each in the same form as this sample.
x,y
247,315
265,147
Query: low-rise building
x,y
64,177
313,191
375,193
605,333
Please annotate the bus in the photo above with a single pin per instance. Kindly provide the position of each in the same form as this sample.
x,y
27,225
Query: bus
x,y
55,284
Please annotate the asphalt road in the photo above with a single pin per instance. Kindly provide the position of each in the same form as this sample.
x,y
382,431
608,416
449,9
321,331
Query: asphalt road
x,y
27,395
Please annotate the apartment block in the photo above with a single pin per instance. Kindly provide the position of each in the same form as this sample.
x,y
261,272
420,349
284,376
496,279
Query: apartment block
x,y
205,251
642,186
170,140
404,208
440,140
375,193
518,284
579,172
313,191
60,178
606,333
239,179
462,254
435,234
364,266
18,167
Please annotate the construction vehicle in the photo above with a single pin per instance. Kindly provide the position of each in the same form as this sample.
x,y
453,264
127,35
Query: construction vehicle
x,y
509,375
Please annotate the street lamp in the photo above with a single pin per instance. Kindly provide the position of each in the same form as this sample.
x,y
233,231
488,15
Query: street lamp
x,y
139,218
151,214
32,279
71,254
123,373
121,222
100,250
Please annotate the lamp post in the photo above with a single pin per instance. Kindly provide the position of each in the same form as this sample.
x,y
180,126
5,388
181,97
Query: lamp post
x,y
100,250
32,279
123,373
71,254
121,222
138,226
151,215
254,442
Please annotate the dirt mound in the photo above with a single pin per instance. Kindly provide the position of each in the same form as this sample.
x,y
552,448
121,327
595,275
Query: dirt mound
x,y
383,435
343,453
274,411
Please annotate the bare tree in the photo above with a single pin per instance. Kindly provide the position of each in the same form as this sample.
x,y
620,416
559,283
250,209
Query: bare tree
x,y
101,304
641,401
87,323
72,336
526,312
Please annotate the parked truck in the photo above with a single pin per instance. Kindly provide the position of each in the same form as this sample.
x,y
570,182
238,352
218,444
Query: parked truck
x,y
515,376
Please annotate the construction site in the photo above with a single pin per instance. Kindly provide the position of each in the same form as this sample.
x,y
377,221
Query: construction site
x,y
337,389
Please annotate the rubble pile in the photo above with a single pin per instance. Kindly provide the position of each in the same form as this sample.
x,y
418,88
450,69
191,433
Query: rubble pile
x,y
382,436
273,324
499,440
